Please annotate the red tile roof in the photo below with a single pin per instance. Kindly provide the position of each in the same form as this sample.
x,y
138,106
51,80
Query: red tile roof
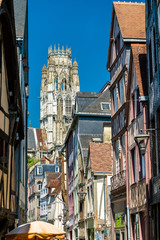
x,y
53,179
100,157
131,19
42,138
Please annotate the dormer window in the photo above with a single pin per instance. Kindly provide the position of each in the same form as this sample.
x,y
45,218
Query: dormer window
x,y
39,170
105,106
57,169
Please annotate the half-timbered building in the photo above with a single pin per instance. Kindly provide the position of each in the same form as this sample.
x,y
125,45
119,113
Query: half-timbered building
x,y
11,119
139,165
127,26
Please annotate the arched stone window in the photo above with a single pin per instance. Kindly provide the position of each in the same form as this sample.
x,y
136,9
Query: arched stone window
x,y
68,105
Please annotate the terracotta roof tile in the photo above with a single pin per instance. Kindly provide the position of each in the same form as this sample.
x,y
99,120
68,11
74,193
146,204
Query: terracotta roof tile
x,y
139,53
100,157
53,179
131,19
41,137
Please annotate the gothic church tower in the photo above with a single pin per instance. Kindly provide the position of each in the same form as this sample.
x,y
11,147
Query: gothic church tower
x,y
59,85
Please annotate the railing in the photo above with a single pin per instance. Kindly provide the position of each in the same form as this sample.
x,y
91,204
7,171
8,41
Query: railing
x,y
118,180
138,194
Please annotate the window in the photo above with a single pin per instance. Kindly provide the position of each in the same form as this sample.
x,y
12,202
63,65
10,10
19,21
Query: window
x,y
39,170
38,198
57,169
138,102
118,167
115,100
121,91
117,44
135,226
123,152
56,83
133,106
3,152
68,105
39,185
143,166
155,59
105,106
64,84
134,171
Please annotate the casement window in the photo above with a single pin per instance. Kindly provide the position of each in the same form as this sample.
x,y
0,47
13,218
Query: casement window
x,y
115,100
133,106
123,152
138,102
121,91
117,44
134,165
118,166
155,58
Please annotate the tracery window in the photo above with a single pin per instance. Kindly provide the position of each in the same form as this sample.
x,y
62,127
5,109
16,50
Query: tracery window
x,y
68,105
56,83
64,84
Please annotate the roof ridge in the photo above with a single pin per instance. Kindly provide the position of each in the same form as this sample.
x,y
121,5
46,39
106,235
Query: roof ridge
x,y
134,3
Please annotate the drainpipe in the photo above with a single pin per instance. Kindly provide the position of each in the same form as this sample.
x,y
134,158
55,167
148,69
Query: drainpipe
x,y
105,222
127,189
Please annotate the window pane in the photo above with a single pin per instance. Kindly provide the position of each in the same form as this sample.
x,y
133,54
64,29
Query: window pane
x,y
115,100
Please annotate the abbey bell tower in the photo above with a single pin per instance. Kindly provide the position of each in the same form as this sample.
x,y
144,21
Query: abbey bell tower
x,y
59,85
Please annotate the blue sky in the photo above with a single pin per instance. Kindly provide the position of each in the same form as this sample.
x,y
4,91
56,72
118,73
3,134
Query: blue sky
x,y
83,25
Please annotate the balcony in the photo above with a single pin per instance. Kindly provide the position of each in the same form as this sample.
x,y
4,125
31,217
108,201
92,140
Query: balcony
x,y
118,180
138,197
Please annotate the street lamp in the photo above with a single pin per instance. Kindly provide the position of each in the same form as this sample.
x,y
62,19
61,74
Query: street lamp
x,y
142,140
81,196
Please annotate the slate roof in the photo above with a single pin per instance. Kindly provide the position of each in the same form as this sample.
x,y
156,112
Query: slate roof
x,y
131,19
31,139
95,107
100,157
83,99
20,8
91,102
